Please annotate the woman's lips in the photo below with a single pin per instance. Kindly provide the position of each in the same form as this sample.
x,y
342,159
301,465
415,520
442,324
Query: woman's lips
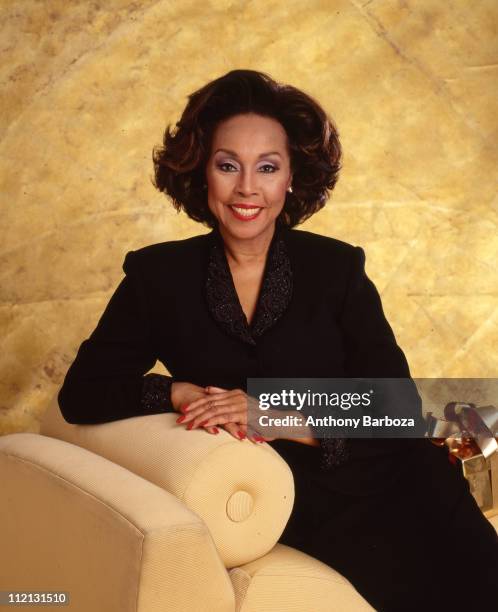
x,y
244,213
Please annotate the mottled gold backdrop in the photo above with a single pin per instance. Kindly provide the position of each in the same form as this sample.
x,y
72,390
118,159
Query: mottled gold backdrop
x,y
88,87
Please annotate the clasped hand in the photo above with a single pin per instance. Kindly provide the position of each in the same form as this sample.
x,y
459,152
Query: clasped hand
x,y
210,406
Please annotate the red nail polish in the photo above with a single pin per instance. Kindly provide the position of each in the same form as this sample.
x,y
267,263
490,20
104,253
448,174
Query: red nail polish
x,y
216,430
241,434
180,418
189,426
184,408
203,423
259,438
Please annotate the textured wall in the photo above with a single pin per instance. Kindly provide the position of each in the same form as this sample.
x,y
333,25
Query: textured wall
x,y
88,87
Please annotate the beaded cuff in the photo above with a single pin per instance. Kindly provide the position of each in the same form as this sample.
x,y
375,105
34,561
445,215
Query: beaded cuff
x,y
156,394
335,451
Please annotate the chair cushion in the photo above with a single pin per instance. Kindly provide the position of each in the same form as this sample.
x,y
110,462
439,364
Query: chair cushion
x,y
288,580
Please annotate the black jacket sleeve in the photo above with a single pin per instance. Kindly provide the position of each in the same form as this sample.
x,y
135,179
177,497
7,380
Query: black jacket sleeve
x,y
370,345
107,381
371,352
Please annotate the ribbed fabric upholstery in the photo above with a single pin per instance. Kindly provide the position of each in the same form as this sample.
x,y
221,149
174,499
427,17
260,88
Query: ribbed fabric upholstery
x,y
288,580
73,521
210,474
141,548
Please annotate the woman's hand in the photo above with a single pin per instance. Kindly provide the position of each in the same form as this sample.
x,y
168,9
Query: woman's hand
x,y
183,394
222,407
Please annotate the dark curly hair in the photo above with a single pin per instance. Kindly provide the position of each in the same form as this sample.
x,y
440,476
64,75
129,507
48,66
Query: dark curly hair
x,y
315,151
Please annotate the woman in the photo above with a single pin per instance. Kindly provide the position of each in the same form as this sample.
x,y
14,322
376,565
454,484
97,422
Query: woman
x,y
251,159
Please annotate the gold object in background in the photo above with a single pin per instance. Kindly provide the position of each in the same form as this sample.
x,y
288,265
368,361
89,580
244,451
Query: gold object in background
x,y
469,432
480,471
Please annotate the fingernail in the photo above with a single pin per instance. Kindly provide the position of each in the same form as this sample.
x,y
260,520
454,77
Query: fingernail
x,y
203,423
241,434
259,438
189,426
180,418
184,408
216,430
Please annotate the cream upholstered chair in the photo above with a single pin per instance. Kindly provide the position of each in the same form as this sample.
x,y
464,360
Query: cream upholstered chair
x,y
142,515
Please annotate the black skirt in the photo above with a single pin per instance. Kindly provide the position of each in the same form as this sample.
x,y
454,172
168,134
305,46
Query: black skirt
x,y
398,521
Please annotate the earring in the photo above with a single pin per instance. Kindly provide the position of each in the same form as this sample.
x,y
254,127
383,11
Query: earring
x,y
290,189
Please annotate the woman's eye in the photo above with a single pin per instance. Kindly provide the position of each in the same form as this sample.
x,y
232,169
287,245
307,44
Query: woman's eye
x,y
220,166
272,168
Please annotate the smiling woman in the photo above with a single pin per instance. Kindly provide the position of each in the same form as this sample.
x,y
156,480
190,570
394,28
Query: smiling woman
x,y
251,159
249,184
299,142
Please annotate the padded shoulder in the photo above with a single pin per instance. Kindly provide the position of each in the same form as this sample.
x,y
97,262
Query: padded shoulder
x,y
170,250
320,243
174,257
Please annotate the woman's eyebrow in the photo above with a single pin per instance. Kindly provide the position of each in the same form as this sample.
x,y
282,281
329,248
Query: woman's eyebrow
x,y
235,154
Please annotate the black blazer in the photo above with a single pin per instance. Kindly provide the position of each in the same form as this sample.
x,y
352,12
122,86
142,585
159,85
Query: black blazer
x,y
318,315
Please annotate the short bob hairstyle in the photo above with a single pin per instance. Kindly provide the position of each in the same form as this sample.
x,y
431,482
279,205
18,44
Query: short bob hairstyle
x,y
315,151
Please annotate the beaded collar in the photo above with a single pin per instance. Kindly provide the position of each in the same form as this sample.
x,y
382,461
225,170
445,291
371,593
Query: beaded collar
x,y
273,300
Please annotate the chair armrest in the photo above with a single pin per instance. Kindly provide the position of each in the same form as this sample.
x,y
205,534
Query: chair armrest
x,y
244,492
73,521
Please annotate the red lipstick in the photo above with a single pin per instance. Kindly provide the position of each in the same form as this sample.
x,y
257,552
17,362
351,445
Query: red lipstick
x,y
245,206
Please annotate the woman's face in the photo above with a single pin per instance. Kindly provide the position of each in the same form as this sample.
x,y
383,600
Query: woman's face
x,y
248,173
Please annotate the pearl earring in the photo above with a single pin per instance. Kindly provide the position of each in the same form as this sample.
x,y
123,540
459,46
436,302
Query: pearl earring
x,y
290,189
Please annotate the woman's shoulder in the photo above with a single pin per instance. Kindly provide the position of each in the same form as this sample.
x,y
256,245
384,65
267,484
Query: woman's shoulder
x,y
180,249
316,244
177,260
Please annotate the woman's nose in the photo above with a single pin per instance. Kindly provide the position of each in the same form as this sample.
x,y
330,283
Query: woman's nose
x,y
247,184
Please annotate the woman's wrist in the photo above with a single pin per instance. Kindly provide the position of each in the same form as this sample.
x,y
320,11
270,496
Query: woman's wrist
x,y
175,396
